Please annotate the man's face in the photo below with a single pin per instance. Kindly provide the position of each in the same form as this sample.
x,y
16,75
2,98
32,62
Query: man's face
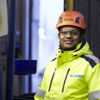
x,y
69,37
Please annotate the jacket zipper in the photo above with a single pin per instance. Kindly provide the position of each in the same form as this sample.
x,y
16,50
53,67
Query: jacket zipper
x,y
65,80
52,79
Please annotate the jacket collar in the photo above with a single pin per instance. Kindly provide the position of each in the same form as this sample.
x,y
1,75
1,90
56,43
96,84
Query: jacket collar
x,y
81,49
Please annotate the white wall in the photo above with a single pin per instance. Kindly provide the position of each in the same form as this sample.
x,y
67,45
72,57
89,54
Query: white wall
x,y
48,36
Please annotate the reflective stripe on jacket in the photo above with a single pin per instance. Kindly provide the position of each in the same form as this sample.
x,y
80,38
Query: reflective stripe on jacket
x,y
73,75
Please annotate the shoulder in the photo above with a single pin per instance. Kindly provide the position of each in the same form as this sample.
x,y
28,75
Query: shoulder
x,y
53,59
93,60
51,64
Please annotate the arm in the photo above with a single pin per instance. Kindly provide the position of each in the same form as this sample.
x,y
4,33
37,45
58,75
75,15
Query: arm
x,y
40,94
94,83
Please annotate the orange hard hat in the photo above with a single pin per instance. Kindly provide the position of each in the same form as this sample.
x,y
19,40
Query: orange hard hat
x,y
72,18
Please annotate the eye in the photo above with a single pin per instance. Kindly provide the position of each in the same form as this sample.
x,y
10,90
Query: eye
x,y
72,32
75,32
64,32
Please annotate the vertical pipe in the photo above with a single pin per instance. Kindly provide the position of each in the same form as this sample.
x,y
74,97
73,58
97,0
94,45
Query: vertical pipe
x,y
30,77
10,56
68,5
27,33
0,75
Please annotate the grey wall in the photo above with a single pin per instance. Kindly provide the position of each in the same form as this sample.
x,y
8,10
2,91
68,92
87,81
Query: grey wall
x,y
91,10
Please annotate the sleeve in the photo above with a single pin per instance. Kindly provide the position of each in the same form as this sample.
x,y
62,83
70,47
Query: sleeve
x,y
41,90
94,83
45,84
40,94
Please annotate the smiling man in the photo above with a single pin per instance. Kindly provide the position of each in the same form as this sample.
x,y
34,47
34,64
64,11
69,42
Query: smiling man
x,y
69,37
75,72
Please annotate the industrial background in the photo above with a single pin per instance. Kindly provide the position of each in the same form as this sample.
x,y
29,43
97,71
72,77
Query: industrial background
x,y
32,41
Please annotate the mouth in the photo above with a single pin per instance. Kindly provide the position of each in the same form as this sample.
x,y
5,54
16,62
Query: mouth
x,y
68,41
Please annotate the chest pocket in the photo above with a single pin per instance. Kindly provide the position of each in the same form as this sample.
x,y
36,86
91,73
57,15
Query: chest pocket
x,y
76,83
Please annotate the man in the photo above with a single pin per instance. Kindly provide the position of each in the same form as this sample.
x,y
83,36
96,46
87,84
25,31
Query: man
x,y
75,72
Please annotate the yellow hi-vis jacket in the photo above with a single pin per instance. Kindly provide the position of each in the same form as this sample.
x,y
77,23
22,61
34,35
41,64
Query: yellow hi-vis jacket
x,y
73,75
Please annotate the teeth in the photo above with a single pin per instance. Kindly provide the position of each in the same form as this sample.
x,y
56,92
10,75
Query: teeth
x,y
67,41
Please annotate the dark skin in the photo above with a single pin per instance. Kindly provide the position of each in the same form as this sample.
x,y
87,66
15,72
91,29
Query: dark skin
x,y
69,37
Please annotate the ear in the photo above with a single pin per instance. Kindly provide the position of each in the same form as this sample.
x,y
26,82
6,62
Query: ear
x,y
82,36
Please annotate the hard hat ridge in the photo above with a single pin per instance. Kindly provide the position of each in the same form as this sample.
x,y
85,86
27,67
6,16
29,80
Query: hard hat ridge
x,y
71,18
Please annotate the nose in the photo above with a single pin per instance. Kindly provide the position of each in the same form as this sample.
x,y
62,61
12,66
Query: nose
x,y
68,35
